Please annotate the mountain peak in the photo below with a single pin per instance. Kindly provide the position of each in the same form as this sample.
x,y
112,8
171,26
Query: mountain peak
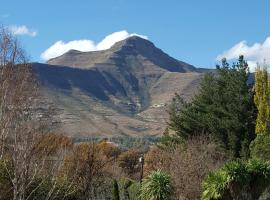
x,y
136,39
135,42
135,47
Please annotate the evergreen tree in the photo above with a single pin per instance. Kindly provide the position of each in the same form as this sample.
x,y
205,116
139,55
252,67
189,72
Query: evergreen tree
x,y
262,99
260,148
223,109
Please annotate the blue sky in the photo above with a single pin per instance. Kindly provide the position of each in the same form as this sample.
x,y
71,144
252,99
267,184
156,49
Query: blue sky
x,y
194,31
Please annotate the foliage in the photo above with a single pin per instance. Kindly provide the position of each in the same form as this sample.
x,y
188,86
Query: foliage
x,y
129,161
188,163
237,180
262,99
124,142
115,192
49,144
86,167
157,186
260,148
128,188
222,109
5,182
109,149
134,190
42,187
48,188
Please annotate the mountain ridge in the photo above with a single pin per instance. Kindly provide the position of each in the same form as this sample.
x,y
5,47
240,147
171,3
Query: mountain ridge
x,y
131,46
124,90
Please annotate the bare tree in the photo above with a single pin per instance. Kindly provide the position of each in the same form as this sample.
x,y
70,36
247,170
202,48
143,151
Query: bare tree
x,y
23,119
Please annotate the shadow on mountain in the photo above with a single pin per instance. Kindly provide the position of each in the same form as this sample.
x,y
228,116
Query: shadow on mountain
x,y
91,82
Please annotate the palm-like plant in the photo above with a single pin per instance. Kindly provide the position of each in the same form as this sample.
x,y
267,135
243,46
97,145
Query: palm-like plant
x,y
156,186
237,180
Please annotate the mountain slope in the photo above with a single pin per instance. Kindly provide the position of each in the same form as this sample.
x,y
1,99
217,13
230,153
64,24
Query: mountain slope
x,y
124,90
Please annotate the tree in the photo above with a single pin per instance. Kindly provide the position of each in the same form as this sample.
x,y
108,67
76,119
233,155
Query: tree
x,y
115,192
25,118
223,109
262,99
187,163
109,149
129,161
239,180
260,148
157,186
86,167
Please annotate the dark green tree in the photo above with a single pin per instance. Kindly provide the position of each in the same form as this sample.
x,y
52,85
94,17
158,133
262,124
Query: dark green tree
x,y
223,109
115,192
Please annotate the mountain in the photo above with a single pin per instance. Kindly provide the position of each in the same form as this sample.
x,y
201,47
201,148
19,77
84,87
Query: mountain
x,y
124,90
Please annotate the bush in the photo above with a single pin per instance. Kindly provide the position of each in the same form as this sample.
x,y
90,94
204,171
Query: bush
x,y
260,148
237,180
157,186
188,164
129,161
5,181
129,189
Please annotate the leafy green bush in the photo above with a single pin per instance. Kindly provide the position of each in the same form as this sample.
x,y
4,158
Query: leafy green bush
x,y
260,148
157,186
128,189
237,180
134,191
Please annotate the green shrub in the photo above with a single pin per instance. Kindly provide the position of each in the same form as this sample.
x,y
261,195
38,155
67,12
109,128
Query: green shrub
x,y
157,186
260,148
134,191
237,180
129,189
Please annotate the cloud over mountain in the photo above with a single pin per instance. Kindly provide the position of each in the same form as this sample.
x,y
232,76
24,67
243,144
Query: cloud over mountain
x,y
256,53
22,30
61,47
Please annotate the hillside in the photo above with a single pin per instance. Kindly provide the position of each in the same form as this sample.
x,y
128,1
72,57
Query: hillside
x,y
124,90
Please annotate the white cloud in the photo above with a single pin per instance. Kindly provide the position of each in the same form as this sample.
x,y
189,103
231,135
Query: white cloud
x,y
256,53
111,39
22,30
60,47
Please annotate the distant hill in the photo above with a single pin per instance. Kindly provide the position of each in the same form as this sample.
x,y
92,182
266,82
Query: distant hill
x,y
124,90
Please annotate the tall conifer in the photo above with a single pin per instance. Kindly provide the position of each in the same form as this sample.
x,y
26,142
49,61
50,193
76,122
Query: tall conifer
x,y
222,109
262,99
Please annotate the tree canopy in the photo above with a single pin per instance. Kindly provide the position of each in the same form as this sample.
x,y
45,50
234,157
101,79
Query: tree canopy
x,y
223,109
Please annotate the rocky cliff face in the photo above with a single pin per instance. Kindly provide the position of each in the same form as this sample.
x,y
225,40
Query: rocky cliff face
x,y
124,90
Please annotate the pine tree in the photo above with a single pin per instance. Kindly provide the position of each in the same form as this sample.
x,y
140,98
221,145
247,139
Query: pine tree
x,y
223,109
